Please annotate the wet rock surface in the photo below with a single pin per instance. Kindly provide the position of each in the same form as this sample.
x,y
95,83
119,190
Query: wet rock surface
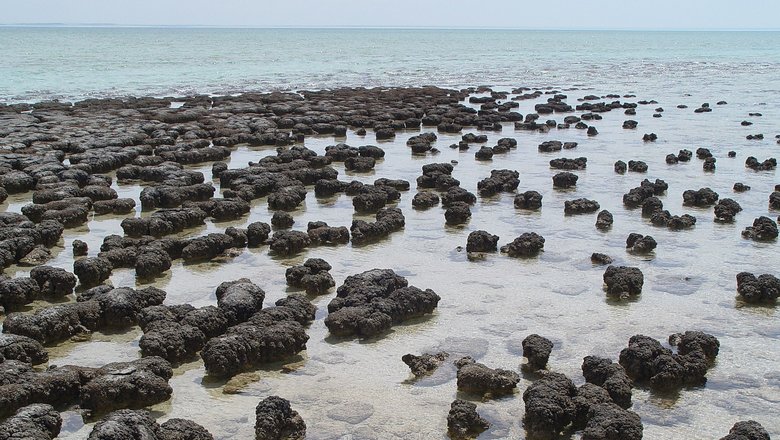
x,y
370,303
276,420
477,378
463,421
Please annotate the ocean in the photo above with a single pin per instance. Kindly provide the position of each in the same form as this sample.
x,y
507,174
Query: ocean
x,y
42,63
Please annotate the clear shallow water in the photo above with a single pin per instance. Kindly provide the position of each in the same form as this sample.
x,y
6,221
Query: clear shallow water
x,y
72,63
360,389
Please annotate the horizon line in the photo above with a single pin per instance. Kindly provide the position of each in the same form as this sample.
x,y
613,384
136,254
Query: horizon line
x,y
368,27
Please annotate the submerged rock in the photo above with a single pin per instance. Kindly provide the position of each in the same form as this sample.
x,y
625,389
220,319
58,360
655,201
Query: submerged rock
x,y
762,289
528,244
623,280
425,363
537,350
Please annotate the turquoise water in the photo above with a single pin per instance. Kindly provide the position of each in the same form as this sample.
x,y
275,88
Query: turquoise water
x,y
73,63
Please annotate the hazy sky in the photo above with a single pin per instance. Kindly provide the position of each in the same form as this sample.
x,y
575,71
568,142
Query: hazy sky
x,y
543,14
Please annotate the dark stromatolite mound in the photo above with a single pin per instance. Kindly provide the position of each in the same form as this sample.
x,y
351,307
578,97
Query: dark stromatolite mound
x,y
608,421
313,275
564,163
651,205
623,280
763,229
388,220
457,195
425,199
528,244
608,375
476,378
276,420
100,308
257,233
499,181
762,289
588,396
640,244
702,197
774,200
369,303
549,405
636,196
116,206
600,259
438,176
528,200
134,384
747,430
726,209
457,213
537,350
289,242
164,222
92,270
580,206
463,421
484,153
673,222
620,167
482,241
53,282
604,220
23,349
767,165
15,292
425,363
139,425
322,234
176,333
33,422
565,180
647,361
239,299
80,248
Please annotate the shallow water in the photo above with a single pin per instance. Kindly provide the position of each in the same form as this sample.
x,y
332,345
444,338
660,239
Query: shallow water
x,y
360,389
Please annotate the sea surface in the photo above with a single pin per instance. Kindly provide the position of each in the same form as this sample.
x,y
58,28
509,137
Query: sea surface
x,y
352,389
73,63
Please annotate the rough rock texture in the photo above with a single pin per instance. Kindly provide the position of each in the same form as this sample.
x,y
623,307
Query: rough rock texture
x,y
749,430
92,270
463,421
528,244
53,282
276,420
610,376
640,244
369,303
762,289
702,197
477,378
623,280
388,220
313,276
528,200
270,335
549,405
537,350
604,220
647,361
763,229
608,421
580,206
139,425
33,422
565,180
22,348
481,241
96,309
425,363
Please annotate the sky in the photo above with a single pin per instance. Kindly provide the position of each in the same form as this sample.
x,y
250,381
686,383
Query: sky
x,y
543,14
